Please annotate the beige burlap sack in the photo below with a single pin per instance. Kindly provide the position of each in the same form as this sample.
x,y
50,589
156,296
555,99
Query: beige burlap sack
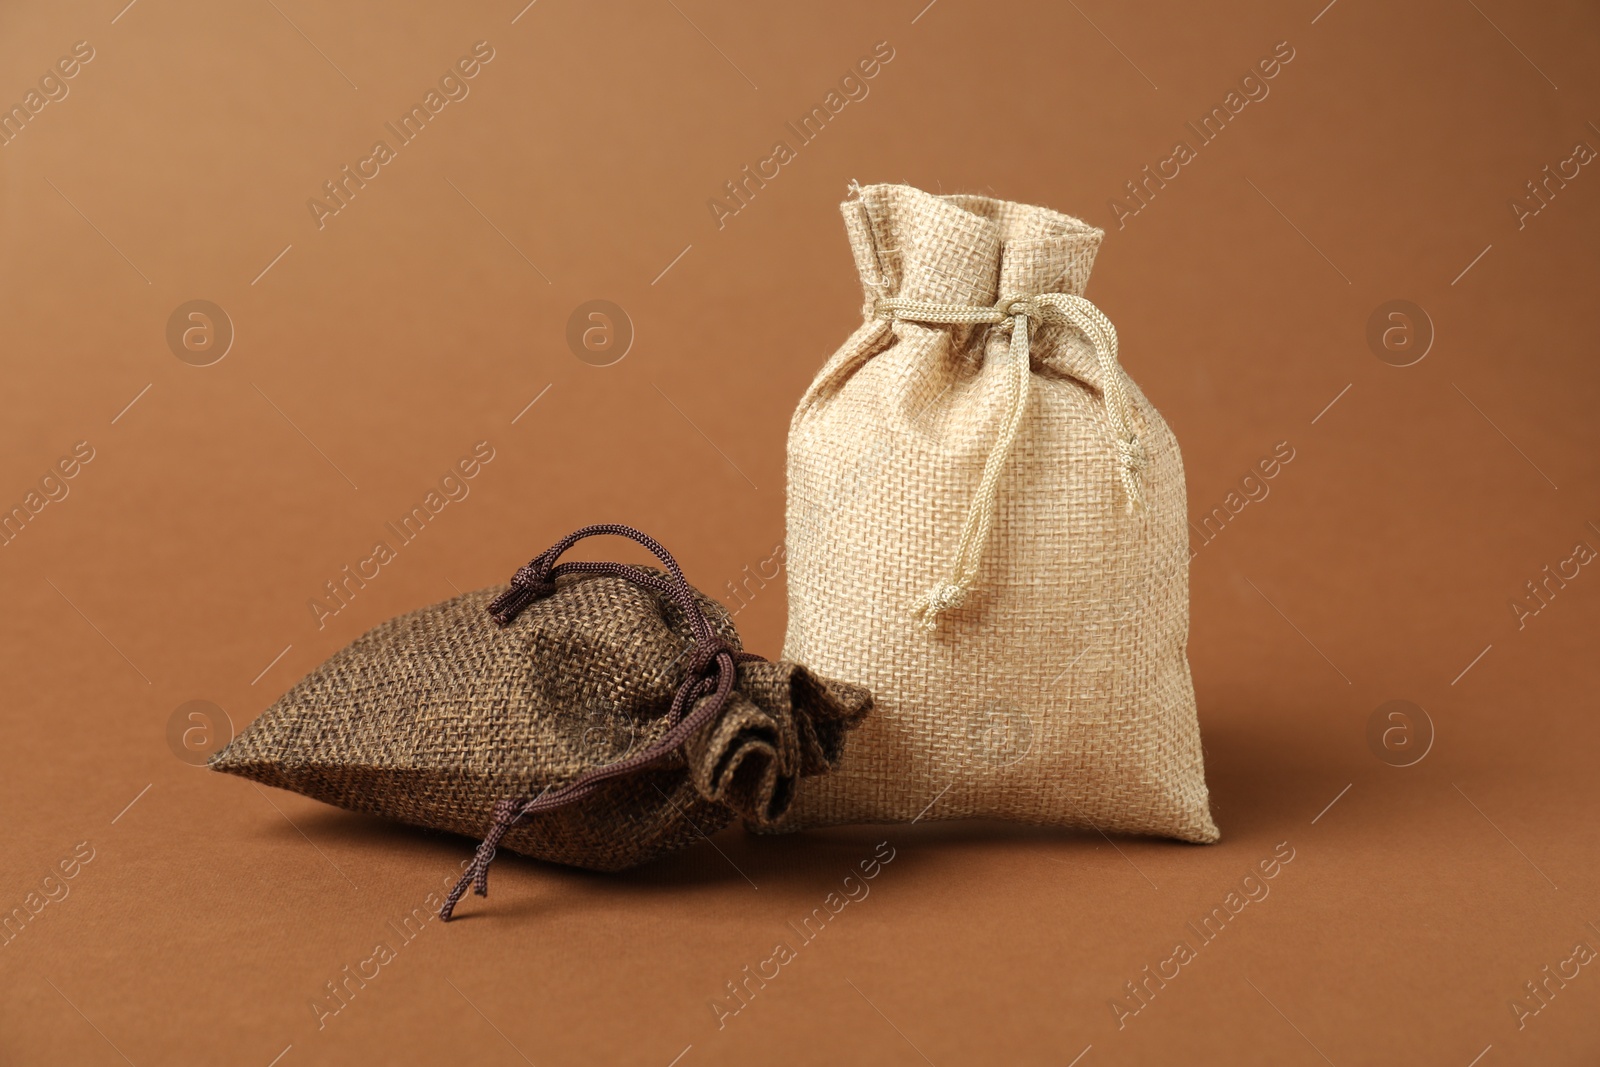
x,y
987,528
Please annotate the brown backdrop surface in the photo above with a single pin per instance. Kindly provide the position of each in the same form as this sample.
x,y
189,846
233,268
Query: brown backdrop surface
x,y
430,311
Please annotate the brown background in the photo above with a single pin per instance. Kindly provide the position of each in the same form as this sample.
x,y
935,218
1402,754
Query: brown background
x,y
378,349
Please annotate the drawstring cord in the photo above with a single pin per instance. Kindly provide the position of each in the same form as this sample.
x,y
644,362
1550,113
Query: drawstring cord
x,y
1013,314
713,667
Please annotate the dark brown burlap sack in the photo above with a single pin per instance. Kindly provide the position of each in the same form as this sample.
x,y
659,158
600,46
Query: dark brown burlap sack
x,y
592,714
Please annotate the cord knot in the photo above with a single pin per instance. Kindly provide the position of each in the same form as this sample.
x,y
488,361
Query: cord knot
x,y
531,582
1131,451
476,876
943,597
705,653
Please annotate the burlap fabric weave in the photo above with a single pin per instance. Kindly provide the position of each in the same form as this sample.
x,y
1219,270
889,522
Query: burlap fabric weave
x,y
433,716
1058,692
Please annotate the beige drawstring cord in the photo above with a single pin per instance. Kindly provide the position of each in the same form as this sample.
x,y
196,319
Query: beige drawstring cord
x,y
1012,313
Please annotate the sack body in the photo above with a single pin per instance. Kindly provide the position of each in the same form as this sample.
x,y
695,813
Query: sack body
x,y
438,716
995,545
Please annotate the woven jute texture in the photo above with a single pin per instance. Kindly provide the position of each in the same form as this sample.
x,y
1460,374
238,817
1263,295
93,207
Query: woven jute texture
x,y
1058,690
434,716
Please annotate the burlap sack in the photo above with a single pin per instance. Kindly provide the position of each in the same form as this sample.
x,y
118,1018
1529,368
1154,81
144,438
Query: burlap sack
x,y
987,528
592,714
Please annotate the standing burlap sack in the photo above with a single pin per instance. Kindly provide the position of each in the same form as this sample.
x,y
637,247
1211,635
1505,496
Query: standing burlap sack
x,y
593,714
987,527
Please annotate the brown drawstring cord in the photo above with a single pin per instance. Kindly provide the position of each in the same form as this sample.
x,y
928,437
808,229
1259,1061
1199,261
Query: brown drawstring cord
x,y
538,580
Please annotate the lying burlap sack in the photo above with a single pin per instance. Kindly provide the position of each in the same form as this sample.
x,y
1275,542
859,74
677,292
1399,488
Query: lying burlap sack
x,y
593,714
987,528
